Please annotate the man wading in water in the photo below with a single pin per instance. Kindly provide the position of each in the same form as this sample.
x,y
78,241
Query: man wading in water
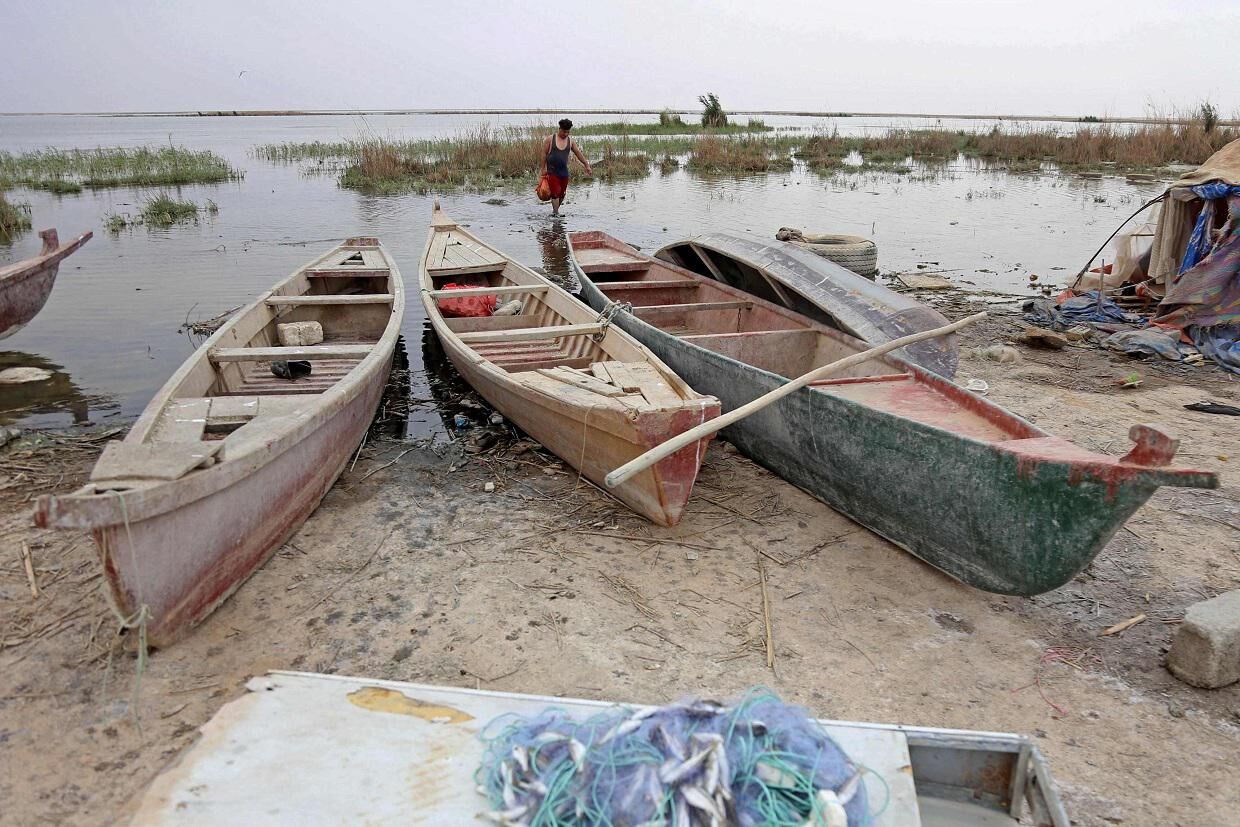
x,y
554,163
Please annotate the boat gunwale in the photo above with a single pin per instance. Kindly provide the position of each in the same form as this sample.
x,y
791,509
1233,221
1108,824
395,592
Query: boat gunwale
x,y
11,273
1098,465
88,507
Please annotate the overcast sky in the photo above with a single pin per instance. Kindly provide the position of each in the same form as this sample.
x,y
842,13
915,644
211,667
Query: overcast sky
x,y
1100,57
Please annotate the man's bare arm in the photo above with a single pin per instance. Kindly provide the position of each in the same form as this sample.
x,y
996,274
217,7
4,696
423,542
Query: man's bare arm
x,y
582,158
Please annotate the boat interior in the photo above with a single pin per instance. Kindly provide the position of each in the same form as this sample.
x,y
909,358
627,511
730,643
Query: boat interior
x,y
551,339
758,332
349,292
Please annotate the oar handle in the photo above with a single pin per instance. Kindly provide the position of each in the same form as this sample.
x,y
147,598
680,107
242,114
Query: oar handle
x,y
671,446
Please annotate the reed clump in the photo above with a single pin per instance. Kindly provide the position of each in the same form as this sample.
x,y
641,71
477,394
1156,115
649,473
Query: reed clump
x,y
71,170
14,219
732,155
161,211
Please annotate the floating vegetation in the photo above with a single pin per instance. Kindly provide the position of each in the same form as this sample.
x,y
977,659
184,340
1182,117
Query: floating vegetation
x,y
14,219
161,211
70,170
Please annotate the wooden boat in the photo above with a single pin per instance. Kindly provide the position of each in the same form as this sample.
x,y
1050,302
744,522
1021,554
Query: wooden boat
x,y
566,376
785,274
25,285
227,461
323,735
966,486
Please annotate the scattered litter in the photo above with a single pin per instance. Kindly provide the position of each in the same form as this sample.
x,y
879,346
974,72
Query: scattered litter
x,y
1060,315
1127,624
461,421
496,418
509,308
918,281
1080,333
489,488
977,386
1206,406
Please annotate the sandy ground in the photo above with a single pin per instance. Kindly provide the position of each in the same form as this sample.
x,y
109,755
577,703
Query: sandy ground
x,y
410,571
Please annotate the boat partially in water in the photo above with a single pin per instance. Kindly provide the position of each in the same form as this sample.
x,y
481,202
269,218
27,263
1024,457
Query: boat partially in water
x,y
565,375
25,285
784,274
230,458
963,484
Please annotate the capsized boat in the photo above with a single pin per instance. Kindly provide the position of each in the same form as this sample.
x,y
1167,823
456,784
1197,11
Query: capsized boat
x,y
322,735
228,460
783,273
958,481
25,285
565,375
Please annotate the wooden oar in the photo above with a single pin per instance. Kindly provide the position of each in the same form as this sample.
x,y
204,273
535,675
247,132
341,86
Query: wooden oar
x,y
692,435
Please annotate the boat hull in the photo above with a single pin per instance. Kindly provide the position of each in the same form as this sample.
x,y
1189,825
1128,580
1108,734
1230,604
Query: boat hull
x,y
597,447
234,530
998,520
24,290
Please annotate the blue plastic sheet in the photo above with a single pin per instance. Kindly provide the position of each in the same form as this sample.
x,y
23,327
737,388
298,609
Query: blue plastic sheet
x,y
1077,310
1219,342
1199,241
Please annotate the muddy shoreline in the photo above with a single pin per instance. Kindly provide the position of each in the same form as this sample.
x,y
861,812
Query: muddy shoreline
x,y
411,571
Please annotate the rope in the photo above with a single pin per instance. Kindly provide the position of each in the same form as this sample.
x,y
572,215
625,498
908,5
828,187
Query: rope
x,y
606,315
138,620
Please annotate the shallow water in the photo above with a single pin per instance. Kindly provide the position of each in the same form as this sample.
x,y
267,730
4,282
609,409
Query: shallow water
x,y
110,328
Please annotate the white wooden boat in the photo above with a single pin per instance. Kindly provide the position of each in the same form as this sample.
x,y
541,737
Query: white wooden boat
x,y
228,460
582,387
25,285
306,749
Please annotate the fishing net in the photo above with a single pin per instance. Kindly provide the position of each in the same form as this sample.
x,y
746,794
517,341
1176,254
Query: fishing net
x,y
755,762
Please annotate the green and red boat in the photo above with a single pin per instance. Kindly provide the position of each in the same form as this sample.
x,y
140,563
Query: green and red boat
x,y
958,481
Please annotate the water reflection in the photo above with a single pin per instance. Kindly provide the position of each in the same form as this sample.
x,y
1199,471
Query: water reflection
x,y
553,243
45,403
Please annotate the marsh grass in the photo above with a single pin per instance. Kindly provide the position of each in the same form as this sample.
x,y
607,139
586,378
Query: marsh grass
x,y
71,170
731,155
673,127
14,219
161,211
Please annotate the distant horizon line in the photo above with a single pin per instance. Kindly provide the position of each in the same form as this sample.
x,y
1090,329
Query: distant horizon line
x,y
249,113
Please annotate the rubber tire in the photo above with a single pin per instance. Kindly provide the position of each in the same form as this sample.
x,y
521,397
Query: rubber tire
x,y
851,251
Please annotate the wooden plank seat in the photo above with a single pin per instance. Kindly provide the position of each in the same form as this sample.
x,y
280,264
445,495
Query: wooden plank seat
x,y
453,253
502,290
343,298
652,284
268,354
347,272
531,333
700,307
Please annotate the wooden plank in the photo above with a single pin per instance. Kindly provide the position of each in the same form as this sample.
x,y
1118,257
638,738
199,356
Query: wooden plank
x,y
262,354
356,298
480,251
184,420
531,333
451,270
589,383
654,387
331,272
152,461
229,410
434,258
600,372
652,284
700,307
535,364
503,290
621,377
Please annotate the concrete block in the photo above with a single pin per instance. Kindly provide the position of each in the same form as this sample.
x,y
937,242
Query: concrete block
x,y
1206,649
300,334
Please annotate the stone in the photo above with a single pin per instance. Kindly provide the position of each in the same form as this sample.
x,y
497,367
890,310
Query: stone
x,y
489,488
1041,337
1206,649
300,334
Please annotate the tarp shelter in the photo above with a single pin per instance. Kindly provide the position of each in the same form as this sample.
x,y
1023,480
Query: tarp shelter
x,y
1196,257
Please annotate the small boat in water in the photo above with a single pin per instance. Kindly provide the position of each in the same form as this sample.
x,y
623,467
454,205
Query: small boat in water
x,y
563,374
229,458
25,285
783,273
958,481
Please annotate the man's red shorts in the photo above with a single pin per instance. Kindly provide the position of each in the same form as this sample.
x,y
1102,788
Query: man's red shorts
x,y
559,186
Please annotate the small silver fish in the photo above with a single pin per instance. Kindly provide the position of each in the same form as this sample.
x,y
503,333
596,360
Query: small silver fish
x,y
673,773
849,788
508,818
697,798
578,751
522,756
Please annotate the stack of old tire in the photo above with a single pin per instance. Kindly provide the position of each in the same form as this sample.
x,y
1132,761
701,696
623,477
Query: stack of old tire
x,y
851,251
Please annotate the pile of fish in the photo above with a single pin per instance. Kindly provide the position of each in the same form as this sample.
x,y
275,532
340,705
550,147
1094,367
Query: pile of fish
x,y
690,764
